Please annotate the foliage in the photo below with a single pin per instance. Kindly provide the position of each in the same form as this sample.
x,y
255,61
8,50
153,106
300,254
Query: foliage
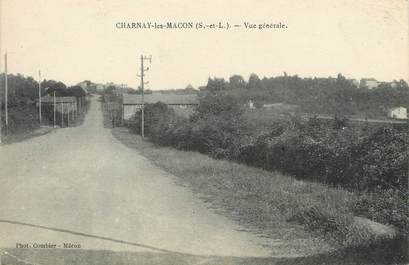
x,y
387,206
21,89
216,84
22,93
214,128
219,105
157,118
256,198
382,158
333,96
333,152
109,90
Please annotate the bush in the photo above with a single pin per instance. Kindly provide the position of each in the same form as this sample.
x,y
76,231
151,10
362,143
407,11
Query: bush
x,y
219,105
381,160
310,150
214,129
158,119
389,206
336,225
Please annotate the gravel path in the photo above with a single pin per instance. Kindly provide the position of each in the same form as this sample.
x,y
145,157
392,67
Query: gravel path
x,y
83,179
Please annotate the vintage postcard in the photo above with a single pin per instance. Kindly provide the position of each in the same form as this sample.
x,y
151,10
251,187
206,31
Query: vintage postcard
x,y
204,132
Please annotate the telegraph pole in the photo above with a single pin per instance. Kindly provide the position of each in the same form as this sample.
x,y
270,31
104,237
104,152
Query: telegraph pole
x,y
0,120
0,105
407,187
62,113
1,123
53,111
6,112
142,88
39,95
143,114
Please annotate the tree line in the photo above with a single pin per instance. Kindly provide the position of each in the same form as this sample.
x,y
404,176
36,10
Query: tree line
x,y
315,95
22,93
24,89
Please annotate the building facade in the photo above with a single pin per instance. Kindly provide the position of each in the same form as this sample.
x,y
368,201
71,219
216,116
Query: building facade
x,y
398,113
369,83
132,103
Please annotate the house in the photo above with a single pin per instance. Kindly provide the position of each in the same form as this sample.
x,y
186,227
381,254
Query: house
x,y
394,84
190,87
131,103
369,83
398,113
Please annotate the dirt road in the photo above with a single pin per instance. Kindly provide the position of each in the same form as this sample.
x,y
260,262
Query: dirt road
x,y
83,179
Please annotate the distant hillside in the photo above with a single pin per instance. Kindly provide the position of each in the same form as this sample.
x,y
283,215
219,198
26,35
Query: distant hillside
x,y
315,95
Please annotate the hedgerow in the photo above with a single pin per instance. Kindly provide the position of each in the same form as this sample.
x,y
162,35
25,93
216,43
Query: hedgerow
x,y
369,161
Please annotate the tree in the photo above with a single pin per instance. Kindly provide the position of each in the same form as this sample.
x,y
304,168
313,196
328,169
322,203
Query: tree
x,y
255,82
59,88
76,91
109,89
216,84
215,104
237,81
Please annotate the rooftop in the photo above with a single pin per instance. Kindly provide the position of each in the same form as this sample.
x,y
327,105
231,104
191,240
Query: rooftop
x,y
169,99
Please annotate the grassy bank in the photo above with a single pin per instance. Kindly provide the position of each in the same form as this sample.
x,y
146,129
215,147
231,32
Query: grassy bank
x,y
306,218
309,217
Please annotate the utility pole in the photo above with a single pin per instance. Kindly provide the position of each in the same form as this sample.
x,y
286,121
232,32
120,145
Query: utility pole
x,y
1,123
143,58
54,109
0,106
62,113
143,111
39,95
406,244
6,112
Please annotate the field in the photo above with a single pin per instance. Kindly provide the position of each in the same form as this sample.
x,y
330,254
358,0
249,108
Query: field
x,y
261,120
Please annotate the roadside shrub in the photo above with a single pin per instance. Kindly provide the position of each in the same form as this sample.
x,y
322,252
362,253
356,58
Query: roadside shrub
x,y
158,118
216,127
385,206
370,160
304,150
218,105
380,160
335,225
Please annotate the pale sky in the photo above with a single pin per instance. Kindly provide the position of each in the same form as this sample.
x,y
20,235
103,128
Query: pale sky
x,y
72,40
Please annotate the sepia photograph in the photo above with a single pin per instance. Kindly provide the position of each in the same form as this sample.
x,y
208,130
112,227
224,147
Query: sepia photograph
x,y
217,132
